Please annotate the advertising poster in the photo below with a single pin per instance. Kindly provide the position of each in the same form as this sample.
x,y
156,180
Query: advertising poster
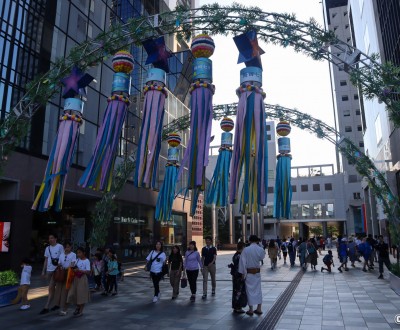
x,y
5,236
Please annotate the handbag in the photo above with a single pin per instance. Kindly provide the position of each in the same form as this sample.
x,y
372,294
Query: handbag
x,y
164,270
150,262
59,274
184,281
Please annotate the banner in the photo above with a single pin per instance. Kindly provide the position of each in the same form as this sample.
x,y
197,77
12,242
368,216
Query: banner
x,y
5,236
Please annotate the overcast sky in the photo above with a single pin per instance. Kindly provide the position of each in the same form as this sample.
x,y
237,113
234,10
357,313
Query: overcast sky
x,y
290,79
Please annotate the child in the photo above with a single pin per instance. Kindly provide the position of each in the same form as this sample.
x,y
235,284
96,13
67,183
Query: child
x,y
328,261
98,265
24,285
79,292
112,273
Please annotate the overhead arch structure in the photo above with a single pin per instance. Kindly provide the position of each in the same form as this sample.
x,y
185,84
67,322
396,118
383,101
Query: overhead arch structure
x,y
373,78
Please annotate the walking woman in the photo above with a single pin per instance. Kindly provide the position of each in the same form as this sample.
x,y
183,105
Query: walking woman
x,y
192,265
175,263
157,258
79,294
302,251
239,298
273,253
67,260
312,250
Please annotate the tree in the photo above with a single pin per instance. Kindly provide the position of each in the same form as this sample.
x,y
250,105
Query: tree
x,y
317,231
333,231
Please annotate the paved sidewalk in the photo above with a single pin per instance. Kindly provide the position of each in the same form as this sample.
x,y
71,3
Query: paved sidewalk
x,y
351,300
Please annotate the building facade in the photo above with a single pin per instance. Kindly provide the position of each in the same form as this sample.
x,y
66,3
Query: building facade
x,y
34,34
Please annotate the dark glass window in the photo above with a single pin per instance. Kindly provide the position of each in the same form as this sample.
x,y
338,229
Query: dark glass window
x,y
270,190
328,186
316,187
345,98
294,188
304,187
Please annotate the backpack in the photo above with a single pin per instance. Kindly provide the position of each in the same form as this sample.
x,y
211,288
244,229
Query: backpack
x,y
311,249
283,247
327,258
290,247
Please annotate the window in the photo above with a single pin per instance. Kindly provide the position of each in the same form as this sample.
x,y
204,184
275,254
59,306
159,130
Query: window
x,y
334,15
268,127
352,178
358,112
348,39
346,113
317,209
335,28
345,13
269,138
330,212
341,68
304,188
343,83
361,144
305,210
359,128
345,98
316,187
294,188
356,96
270,190
356,195
328,186
348,129
346,26
294,209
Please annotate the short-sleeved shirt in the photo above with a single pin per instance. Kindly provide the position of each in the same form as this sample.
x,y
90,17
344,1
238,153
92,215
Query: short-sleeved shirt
x,y
113,267
26,275
156,266
66,259
83,264
208,254
53,252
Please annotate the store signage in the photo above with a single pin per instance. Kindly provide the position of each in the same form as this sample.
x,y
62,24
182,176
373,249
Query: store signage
x,y
5,236
128,220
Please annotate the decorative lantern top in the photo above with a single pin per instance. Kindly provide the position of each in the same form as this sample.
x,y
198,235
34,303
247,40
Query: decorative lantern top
x,y
227,124
123,62
202,46
283,128
174,140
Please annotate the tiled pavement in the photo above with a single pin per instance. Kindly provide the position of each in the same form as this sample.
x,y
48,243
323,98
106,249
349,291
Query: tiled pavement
x,y
352,300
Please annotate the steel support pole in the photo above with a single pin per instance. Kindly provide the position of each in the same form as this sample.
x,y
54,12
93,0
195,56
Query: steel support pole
x,y
231,225
261,221
252,224
214,224
244,227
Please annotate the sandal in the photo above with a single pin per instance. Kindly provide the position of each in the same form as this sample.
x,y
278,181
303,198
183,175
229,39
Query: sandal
x,y
250,313
77,311
258,312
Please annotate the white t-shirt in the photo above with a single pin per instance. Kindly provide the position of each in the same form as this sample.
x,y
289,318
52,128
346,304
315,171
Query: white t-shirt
x,y
53,252
83,264
26,275
156,266
66,259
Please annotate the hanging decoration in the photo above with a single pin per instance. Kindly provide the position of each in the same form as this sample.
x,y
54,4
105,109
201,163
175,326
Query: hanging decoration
x,y
202,91
218,192
166,195
51,191
155,94
250,154
99,172
283,186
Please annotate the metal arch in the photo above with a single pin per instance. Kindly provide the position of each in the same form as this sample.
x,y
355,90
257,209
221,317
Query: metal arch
x,y
281,29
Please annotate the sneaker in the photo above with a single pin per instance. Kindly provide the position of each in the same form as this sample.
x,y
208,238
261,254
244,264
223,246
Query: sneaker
x,y
104,293
364,270
204,296
55,308
25,307
346,269
322,269
44,311
114,293
380,277
213,293
62,313
340,270
155,299
159,295
193,298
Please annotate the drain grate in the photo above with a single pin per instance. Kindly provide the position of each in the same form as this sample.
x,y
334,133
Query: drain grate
x,y
272,317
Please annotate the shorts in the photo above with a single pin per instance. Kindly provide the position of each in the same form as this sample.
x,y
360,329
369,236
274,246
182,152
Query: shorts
x,y
343,259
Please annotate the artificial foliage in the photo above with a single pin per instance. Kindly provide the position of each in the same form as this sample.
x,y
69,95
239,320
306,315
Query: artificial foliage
x,y
8,277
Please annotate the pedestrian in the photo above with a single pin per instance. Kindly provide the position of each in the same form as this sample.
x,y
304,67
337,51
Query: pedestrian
x,y
292,252
79,294
343,252
112,273
322,243
352,248
175,263
312,252
208,258
273,253
67,260
157,258
192,265
365,250
383,255
329,242
328,261
97,267
302,252
371,242
52,254
105,269
239,298
284,250
24,284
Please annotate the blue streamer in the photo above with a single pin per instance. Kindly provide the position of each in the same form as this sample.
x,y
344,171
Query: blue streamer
x,y
283,188
167,194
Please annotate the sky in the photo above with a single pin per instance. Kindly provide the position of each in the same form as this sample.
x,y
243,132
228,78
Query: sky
x,y
290,79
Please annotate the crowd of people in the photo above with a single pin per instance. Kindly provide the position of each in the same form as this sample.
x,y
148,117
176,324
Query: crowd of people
x,y
67,272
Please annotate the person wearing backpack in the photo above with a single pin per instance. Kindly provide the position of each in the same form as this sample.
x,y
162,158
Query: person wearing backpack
x,y
292,252
312,257
328,261
156,259
284,250
343,252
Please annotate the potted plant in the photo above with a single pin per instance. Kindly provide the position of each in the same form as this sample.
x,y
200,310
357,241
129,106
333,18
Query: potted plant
x,y
8,287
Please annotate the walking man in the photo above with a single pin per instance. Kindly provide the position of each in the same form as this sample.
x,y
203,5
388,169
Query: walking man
x,y
249,266
292,252
208,257
383,255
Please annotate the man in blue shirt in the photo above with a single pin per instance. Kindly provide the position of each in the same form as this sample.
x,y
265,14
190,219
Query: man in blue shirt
x,y
208,257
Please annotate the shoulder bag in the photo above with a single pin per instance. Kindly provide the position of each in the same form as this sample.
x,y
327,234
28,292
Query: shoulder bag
x,y
150,262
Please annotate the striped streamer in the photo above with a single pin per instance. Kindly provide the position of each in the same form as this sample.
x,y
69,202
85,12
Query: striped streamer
x,y
167,194
283,187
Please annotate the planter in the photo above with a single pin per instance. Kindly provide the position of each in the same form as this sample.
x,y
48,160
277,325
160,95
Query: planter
x,y
394,283
7,294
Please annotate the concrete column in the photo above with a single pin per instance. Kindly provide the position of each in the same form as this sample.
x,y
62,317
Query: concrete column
x,y
301,230
325,229
275,230
244,227
231,225
252,224
261,221
214,224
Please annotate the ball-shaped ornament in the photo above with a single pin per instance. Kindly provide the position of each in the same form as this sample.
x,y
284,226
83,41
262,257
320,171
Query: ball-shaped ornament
x,y
174,140
227,124
283,128
202,46
123,62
